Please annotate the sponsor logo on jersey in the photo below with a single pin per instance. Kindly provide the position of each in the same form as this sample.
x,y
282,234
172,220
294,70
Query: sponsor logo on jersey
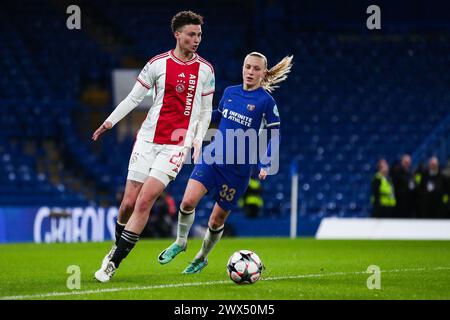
x,y
251,107
237,117
181,75
190,94
225,113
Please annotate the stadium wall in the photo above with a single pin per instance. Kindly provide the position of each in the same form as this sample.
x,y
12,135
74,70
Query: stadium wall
x,y
50,225
86,224
384,229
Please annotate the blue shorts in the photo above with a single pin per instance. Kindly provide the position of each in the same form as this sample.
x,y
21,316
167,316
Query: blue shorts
x,y
226,187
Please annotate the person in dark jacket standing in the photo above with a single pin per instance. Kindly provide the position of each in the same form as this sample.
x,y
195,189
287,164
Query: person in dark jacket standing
x,y
405,189
433,192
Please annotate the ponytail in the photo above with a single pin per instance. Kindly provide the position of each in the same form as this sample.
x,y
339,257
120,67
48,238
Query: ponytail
x,y
277,73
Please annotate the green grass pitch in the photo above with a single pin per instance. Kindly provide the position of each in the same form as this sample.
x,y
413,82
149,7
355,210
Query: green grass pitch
x,y
295,269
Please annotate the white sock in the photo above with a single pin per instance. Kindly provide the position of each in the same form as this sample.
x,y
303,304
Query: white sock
x,y
185,221
212,236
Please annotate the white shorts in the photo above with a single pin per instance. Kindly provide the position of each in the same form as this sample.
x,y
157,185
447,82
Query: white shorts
x,y
161,161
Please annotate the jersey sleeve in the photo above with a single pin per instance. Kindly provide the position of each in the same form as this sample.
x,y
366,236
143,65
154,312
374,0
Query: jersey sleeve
x,y
222,100
130,102
270,160
147,75
209,85
272,116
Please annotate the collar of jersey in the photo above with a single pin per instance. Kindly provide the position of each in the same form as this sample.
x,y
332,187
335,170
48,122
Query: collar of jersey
x,y
250,91
172,55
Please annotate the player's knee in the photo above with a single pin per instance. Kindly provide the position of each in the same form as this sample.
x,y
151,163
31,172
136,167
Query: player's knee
x,y
128,204
216,222
188,204
215,225
142,206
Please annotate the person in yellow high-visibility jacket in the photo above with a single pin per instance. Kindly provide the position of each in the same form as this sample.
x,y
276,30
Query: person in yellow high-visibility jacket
x,y
383,197
252,200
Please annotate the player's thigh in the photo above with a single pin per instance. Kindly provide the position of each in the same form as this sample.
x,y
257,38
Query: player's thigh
x,y
152,188
150,191
195,190
202,180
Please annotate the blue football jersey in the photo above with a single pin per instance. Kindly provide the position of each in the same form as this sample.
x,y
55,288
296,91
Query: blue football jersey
x,y
243,114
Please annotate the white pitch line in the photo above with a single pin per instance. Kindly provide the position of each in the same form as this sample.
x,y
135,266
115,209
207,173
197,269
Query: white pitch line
x,y
196,284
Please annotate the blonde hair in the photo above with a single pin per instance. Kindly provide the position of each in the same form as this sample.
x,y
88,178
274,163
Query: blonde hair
x,y
276,74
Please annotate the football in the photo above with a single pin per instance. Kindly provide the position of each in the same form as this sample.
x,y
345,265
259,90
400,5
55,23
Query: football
x,y
244,267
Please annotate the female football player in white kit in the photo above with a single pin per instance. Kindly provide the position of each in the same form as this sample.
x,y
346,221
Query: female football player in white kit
x,y
183,85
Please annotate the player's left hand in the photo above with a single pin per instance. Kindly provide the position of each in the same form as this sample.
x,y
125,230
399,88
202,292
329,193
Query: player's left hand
x,y
197,148
262,174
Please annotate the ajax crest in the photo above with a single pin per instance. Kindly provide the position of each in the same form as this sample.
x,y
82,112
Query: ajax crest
x,y
180,88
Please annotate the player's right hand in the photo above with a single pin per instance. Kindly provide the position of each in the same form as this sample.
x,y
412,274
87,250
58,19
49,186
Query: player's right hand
x,y
105,126
262,174
197,149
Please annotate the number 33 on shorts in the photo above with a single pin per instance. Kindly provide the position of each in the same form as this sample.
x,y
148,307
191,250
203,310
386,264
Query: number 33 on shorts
x,y
227,193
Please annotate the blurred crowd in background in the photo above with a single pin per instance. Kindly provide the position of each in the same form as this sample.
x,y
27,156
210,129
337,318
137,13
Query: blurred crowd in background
x,y
401,191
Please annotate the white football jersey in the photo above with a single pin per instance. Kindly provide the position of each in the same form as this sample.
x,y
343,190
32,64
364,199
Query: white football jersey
x,y
178,90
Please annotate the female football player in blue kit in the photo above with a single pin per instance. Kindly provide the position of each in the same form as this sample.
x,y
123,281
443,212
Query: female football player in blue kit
x,y
242,108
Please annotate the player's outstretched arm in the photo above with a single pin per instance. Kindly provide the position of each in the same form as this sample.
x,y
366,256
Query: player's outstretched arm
x,y
133,99
273,146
